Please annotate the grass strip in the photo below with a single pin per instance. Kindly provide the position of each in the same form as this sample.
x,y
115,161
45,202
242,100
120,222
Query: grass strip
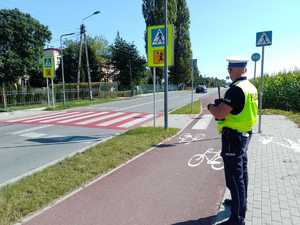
x,y
22,107
187,109
36,191
294,116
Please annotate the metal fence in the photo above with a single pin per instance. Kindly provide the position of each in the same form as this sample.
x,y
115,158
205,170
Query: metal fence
x,y
37,96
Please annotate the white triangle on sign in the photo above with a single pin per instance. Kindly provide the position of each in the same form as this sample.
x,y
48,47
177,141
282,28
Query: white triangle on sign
x,y
159,38
264,39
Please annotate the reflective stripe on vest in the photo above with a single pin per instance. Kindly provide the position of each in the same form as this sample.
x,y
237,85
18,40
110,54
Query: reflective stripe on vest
x,y
246,119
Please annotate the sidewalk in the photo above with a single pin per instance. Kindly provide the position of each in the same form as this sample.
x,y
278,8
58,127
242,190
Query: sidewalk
x,y
22,113
274,174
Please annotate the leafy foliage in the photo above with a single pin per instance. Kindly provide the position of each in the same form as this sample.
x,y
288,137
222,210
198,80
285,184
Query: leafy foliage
x,y
97,50
129,64
181,71
22,39
281,91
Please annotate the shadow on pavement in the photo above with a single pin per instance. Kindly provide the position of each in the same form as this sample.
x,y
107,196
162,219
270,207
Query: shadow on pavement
x,y
221,216
201,221
64,139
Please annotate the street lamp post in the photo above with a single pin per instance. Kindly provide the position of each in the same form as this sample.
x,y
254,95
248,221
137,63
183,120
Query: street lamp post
x,y
62,64
83,40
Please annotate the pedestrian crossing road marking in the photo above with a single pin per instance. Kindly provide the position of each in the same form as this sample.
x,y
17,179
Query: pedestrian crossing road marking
x,y
90,119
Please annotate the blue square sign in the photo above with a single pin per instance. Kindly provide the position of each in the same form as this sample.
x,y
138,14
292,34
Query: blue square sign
x,y
158,37
263,38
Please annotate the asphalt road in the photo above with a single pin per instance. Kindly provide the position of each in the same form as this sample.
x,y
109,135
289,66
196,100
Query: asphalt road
x,y
25,148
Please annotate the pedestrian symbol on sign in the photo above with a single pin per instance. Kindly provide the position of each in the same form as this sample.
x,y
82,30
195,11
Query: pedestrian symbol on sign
x,y
158,38
264,38
47,62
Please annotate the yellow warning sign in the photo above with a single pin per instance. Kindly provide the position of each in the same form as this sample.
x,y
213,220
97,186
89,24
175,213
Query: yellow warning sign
x,y
158,57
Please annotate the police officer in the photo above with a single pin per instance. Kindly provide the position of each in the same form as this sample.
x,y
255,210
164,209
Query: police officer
x,y
236,115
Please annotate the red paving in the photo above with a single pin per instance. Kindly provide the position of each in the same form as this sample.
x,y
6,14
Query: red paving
x,y
91,119
158,188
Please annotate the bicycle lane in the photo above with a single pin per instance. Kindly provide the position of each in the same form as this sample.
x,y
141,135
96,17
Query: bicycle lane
x,y
157,188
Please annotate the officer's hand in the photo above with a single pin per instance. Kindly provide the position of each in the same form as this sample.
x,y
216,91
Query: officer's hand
x,y
209,105
218,101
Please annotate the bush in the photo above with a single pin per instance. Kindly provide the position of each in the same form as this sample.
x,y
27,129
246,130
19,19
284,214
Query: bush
x,y
282,91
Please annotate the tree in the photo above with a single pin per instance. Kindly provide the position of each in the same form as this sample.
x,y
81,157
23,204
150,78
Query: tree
x,y
129,64
97,51
22,39
181,71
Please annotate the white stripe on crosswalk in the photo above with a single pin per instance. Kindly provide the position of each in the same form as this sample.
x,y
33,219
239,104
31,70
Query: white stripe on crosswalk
x,y
64,117
100,118
110,122
50,117
35,117
203,123
82,117
136,121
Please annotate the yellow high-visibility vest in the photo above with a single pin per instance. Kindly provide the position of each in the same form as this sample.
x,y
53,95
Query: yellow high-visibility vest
x,y
246,119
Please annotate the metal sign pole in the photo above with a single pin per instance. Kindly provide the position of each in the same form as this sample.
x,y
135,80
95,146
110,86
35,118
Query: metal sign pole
x,y
166,67
254,70
154,97
62,71
261,88
53,98
48,93
192,100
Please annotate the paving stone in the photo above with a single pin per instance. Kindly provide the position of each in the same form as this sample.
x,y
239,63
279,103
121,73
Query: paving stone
x,y
274,174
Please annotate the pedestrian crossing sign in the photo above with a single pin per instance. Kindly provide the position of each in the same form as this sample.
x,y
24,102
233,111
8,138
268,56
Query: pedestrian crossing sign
x,y
158,37
156,45
263,38
48,67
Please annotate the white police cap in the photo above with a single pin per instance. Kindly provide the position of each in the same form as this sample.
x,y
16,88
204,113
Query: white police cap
x,y
236,62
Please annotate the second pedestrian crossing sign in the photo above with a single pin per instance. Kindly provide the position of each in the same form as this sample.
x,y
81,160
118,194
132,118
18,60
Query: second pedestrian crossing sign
x,y
263,38
156,45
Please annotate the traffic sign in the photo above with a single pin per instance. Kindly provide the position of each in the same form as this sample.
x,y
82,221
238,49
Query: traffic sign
x,y
48,66
158,37
156,45
263,38
255,57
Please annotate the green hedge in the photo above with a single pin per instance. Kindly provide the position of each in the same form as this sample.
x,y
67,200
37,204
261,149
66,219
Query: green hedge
x,y
282,91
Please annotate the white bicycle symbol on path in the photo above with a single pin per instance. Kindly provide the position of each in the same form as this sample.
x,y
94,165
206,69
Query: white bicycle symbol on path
x,y
188,138
285,142
212,157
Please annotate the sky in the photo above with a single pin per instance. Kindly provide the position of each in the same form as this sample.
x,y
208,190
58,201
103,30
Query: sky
x,y
219,28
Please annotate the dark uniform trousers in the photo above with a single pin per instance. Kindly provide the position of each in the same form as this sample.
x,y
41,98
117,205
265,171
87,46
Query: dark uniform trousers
x,y
234,154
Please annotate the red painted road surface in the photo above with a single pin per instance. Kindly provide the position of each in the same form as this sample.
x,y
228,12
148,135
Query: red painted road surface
x,y
91,119
180,182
